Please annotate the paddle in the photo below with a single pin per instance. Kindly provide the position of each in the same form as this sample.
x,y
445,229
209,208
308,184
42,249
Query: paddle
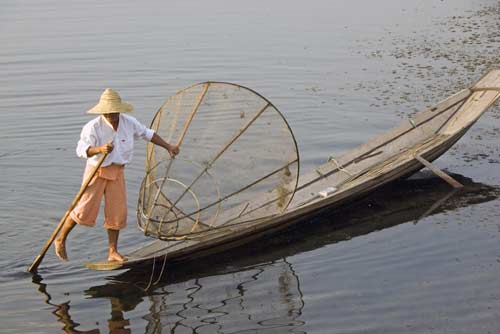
x,y
49,242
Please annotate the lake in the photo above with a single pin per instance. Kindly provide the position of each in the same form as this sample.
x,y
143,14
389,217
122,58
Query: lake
x,y
410,258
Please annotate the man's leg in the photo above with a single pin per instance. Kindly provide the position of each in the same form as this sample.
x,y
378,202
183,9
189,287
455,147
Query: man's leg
x,y
115,210
113,246
84,213
60,242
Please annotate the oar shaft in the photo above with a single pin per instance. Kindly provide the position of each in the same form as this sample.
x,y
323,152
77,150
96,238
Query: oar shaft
x,y
49,242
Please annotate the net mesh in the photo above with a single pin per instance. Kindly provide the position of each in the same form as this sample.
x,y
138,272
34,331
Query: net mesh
x,y
238,162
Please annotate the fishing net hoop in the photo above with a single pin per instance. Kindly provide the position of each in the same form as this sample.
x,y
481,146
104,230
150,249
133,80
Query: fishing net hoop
x,y
145,218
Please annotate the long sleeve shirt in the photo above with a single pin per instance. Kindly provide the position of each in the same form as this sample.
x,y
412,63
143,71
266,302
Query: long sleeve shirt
x,y
98,132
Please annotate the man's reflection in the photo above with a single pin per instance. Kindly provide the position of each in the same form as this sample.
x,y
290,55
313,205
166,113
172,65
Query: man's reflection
x,y
116,324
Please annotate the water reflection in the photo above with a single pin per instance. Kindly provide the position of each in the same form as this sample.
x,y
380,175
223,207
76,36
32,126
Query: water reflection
x,y
61,311
255,288
261,298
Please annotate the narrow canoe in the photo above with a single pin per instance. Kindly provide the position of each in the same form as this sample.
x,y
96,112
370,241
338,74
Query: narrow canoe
x,y
390,156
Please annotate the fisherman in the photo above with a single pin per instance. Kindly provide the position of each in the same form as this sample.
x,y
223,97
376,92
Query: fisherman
x,y
112,132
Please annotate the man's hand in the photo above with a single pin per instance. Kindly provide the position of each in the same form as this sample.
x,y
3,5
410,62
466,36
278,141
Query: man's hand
x,y
106,148
173,150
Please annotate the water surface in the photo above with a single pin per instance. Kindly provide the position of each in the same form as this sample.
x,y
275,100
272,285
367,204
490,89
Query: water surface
x,y
340,72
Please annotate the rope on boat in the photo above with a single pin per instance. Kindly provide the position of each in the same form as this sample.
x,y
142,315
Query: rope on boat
x,y
162,269
412,122
152,274
339,166
153,271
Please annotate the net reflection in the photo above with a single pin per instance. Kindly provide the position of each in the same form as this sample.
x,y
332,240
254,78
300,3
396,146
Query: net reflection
x,y
264,298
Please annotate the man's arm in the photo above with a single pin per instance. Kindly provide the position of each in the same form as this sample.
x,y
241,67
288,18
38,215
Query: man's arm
x,y
173,150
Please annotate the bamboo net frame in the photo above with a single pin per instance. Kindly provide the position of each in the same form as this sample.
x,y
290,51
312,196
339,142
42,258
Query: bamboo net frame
x,y
237,152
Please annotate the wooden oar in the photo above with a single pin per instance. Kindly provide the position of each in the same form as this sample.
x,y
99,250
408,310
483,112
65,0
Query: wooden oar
x,y
40,256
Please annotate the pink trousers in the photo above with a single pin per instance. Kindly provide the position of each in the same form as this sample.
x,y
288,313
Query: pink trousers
x,y
110,182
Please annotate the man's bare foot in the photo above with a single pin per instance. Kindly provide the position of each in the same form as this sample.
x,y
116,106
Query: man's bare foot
x,y
60,247
116,257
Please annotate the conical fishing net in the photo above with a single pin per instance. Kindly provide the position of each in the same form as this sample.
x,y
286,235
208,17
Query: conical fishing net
x,y
238,163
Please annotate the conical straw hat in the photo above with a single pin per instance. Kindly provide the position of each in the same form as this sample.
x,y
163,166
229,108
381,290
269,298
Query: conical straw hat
x,y
110,102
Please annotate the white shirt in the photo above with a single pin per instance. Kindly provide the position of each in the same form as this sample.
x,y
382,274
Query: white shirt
x,y
99,131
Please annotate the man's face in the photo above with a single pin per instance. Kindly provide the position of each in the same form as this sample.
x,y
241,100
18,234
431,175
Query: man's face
x,y
113,117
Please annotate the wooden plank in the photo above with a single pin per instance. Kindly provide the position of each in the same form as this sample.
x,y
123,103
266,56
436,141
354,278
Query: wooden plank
x,y
104,265
477,103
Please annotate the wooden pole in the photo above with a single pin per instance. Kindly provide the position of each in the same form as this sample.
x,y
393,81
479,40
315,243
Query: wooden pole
x,y
179,142
451,181
49,242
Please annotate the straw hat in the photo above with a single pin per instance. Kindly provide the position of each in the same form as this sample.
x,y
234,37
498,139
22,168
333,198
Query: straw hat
x,y
110,102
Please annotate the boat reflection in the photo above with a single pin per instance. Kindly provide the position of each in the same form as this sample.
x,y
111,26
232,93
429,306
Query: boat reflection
x,y
255,288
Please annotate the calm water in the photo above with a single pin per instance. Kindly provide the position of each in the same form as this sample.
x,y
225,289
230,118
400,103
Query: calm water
x,y
341,72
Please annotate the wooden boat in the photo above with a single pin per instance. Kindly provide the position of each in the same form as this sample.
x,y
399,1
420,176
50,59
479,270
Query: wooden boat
x,y
395,154
401,201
